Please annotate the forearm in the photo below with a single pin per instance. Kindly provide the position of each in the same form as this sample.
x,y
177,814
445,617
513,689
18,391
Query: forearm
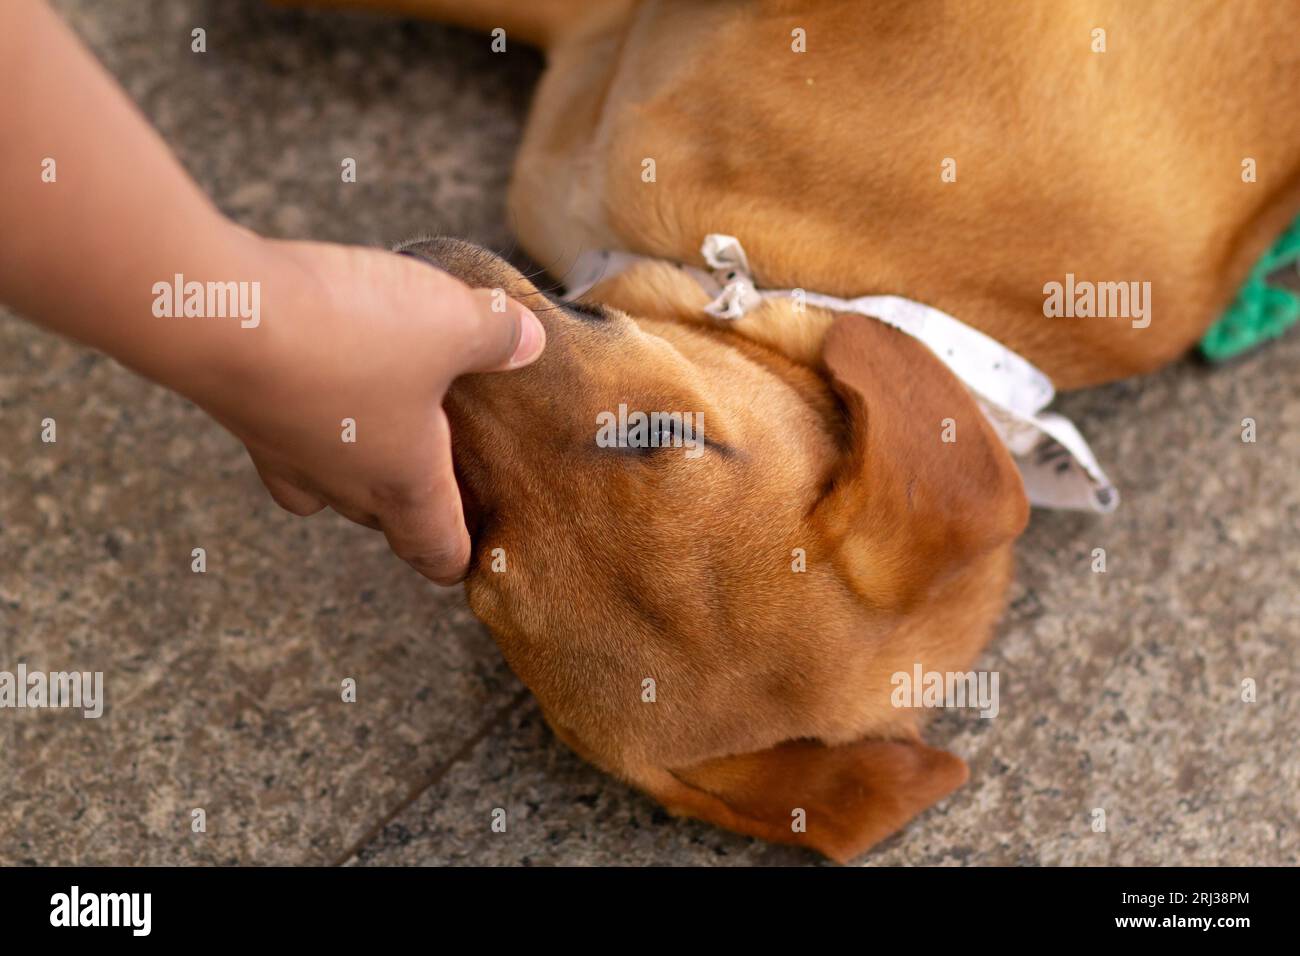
x,y
85,241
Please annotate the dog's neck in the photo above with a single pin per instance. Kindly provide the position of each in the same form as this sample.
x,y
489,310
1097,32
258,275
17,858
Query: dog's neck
x,y
1052,328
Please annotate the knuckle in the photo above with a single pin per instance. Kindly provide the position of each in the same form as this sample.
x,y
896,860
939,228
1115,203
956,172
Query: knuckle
x,y
302,506
391,496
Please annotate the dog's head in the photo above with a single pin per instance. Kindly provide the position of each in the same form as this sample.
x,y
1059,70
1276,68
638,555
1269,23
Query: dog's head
x,y
712,603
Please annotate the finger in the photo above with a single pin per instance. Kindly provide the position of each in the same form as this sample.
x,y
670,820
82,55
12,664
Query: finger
x,y
363,518
290,497
429,533
496,334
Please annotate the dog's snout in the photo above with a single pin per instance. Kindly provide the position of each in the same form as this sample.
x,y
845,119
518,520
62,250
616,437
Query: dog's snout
x,y
477,267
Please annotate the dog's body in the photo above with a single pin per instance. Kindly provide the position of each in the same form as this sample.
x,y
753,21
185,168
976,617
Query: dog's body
x,y
660,122
1113,166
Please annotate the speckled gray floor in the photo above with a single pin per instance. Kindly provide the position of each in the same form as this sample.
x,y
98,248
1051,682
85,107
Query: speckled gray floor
x,y
1120,691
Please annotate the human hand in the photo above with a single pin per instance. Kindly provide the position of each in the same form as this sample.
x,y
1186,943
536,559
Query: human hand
x,y
371,338
343,333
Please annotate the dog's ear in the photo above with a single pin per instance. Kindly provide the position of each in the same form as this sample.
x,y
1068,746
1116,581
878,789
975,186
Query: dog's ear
x,y
926,485
837,800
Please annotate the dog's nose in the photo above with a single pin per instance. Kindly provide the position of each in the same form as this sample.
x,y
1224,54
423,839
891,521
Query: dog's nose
x,y
480,268
484,410
473,265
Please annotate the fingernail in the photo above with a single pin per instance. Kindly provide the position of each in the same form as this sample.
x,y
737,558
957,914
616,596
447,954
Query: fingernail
x,y
532,339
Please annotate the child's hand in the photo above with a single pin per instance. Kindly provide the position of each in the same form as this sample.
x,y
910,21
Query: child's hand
x,y
337,393
343,333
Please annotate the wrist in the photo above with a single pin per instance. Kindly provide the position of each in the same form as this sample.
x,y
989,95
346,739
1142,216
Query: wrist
x,y
230,349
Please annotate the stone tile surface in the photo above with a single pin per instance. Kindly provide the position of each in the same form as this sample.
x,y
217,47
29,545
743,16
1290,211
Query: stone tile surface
x,y
223,688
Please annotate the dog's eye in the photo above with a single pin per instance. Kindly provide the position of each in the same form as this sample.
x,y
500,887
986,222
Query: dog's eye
x,y
665,434
648,434
668,432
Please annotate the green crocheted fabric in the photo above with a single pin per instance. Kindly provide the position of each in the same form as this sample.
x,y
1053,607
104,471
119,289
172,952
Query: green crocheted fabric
x,y
1261,311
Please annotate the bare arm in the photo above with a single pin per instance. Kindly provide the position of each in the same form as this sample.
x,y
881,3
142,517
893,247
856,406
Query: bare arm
x,y
342,332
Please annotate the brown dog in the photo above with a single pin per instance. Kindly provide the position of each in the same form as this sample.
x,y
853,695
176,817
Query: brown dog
x,y
651,600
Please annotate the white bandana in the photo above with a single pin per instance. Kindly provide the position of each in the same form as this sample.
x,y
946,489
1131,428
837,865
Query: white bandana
x,y
1056,464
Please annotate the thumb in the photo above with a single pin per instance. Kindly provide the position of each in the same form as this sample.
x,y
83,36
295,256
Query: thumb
x,y
498,334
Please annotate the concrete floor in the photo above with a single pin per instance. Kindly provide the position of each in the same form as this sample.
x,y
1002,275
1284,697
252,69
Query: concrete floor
x,y
1119,691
